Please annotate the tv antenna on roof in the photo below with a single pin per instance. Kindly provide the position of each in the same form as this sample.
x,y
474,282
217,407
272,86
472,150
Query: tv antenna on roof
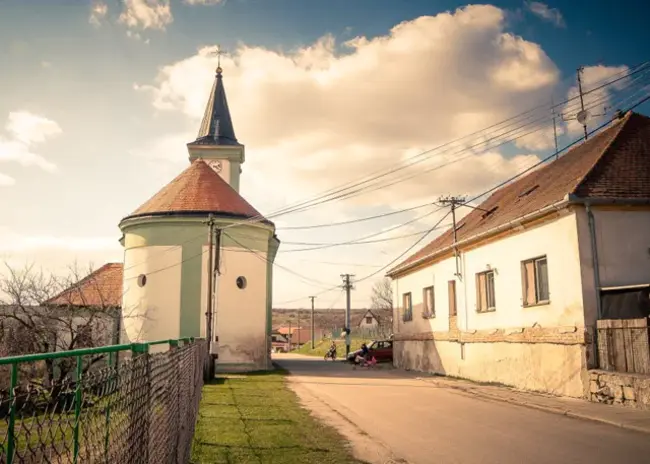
x,y
583,115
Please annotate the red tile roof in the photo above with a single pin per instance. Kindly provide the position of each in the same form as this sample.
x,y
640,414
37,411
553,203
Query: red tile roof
x,y
102,288
198,189
614,164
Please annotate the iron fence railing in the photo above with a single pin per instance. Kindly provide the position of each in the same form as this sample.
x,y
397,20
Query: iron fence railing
x,y
133,403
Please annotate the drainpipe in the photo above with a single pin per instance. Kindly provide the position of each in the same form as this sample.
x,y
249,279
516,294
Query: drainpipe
x,y
594,257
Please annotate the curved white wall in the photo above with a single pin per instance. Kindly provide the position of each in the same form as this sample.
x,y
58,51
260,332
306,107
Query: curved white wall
x,y
152,312
240,315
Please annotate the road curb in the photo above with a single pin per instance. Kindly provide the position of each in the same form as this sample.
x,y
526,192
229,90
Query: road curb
x,y
550,409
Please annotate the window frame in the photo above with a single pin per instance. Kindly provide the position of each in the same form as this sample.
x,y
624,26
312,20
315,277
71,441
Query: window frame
x,y
407,313
428,313
524,282
368,319
489,308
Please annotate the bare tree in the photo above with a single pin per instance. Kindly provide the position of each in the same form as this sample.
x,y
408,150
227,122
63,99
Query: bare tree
x,y
42,313
382,303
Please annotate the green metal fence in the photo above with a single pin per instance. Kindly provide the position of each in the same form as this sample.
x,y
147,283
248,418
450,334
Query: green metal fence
x,y
134,403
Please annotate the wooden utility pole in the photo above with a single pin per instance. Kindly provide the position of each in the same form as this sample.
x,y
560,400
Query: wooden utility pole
x,y
312,322
299,310
347,285
454,202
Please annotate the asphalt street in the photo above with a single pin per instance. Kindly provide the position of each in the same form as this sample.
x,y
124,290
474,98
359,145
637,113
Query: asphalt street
x,y
423,423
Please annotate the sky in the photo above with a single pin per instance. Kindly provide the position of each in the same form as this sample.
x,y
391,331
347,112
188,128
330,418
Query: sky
x,y
99,99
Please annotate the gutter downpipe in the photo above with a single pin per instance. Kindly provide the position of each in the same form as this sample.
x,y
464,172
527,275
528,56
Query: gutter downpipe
x,y
596,266
594,256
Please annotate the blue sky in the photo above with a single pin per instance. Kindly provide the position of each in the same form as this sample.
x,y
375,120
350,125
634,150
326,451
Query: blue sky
x,y
119,98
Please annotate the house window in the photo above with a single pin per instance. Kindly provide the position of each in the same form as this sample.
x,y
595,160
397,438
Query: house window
x,y
485,300
428,306
534,277
369,320
452,298
408,307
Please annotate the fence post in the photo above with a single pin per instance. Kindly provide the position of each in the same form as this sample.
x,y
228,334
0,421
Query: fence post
x,y
112,378
11,437
77,408
142,350
173,346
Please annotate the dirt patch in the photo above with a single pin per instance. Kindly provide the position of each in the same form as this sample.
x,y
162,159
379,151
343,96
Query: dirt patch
x,y
362,445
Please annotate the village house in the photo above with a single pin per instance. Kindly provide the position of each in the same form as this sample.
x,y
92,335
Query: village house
x,y
368,321
515,298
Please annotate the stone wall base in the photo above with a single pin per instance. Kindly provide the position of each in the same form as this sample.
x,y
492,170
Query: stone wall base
x,y
626,389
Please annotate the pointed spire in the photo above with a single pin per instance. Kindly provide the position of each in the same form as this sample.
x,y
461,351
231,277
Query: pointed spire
x,y
216,127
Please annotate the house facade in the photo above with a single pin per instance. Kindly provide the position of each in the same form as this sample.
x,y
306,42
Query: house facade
x,y
368,321
515,297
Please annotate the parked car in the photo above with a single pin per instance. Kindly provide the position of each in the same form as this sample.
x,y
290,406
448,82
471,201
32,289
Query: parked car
x,y
382,350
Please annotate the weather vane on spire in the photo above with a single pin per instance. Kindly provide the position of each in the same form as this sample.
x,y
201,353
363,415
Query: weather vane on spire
x,y
219,51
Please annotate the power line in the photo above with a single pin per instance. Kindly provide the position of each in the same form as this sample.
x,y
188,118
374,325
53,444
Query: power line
x,y
352,221
263,258
405,252
641,101
305,204
498,186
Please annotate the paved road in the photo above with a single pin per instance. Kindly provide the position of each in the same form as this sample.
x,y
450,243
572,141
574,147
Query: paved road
x,y
423,423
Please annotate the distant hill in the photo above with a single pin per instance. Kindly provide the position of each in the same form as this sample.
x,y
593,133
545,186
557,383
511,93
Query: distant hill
x,y
323,318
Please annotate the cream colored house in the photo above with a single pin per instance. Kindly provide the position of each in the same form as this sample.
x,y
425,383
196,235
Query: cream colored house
x,y
368,321
515,299
166,252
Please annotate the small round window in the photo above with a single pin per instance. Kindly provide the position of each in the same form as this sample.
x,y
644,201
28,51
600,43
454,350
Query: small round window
x,y
241,282
142,280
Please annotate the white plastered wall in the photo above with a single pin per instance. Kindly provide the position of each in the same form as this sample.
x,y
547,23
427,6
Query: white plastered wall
x,y
240,314
151,312
535,366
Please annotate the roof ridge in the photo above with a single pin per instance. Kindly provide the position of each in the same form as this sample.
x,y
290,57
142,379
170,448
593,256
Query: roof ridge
x,y
622,123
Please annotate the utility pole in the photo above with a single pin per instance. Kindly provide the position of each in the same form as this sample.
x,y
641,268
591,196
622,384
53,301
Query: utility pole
x,y
299,311
582,101
454,202
312,322
347,285
209,369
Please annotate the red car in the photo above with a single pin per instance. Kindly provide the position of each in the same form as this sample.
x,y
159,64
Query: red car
x,y
382,350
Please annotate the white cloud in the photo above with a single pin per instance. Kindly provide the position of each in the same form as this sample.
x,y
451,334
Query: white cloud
x,y
146,14
543,11
46,64
204,2
137,36
98,12
26,130
11,242
5,180
317,118
30,128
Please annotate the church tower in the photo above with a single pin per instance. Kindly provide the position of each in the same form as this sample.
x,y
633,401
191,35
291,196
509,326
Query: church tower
x,y
166,253
216,142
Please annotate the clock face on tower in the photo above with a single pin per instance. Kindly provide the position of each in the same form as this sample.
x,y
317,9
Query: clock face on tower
x,y
216,165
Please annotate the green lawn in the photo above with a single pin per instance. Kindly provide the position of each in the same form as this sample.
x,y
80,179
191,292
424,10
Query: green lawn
x,y
321,348
255,418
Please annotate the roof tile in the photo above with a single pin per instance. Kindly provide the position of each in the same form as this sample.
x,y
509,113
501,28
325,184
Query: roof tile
x,y
198,189
613,164
101,288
